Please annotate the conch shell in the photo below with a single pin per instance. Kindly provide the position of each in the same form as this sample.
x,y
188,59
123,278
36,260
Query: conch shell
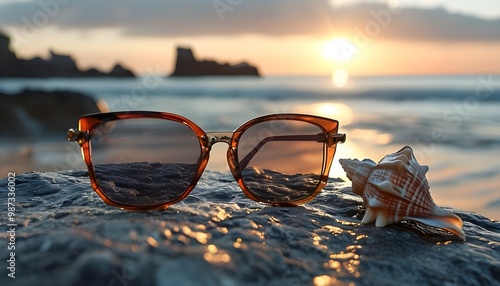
x,y
396,189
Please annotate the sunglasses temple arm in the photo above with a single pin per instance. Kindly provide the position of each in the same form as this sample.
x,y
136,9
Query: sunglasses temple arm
x,y
317,137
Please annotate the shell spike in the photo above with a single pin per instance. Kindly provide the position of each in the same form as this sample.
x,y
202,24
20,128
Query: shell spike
x,y
444,220
358,172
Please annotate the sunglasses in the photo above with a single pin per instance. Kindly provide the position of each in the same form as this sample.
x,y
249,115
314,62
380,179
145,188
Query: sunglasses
x,y
142,160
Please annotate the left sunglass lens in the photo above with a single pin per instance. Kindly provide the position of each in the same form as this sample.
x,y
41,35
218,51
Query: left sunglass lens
x,y
144,162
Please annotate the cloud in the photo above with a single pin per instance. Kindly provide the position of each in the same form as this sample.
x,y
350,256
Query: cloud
x,y
265,17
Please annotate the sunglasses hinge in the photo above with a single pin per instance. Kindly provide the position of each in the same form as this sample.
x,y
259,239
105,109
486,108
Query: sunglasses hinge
x,y
75,135
335,138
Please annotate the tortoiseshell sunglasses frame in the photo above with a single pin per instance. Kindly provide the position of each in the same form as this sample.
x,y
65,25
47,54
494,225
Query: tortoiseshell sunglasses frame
x,y
88,123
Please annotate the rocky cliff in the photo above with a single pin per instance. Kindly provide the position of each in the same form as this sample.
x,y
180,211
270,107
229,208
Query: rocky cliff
x,y
56,66
187,65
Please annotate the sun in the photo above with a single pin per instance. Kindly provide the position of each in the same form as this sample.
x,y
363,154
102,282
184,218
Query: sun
x,y
339,50
340,78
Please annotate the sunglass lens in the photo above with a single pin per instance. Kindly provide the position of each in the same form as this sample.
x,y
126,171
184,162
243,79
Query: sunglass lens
x,y
144,162
281,161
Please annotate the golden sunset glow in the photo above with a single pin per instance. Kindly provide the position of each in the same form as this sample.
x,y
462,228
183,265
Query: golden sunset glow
x,y
339,50
300,55
340,77
337,111
360,44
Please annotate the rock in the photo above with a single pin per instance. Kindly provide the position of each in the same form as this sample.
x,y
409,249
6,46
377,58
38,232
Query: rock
x,y
119,71
217,236
187,65
6,55
56,66
33,113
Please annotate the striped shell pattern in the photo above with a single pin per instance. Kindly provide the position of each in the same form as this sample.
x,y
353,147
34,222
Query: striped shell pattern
x,y
396,189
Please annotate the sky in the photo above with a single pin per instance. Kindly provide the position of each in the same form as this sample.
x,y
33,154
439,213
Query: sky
x,y
280,37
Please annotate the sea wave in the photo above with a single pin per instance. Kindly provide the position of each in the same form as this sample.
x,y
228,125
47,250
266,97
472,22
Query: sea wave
x,y
435,129
271,89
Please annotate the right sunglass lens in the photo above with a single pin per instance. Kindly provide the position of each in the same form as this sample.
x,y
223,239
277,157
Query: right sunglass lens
x,y
144,162
281,161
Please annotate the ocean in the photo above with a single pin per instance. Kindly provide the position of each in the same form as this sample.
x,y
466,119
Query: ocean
x,y
451,122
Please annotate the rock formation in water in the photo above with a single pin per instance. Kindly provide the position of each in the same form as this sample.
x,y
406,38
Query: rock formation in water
x,y
56,66
31,113
187,65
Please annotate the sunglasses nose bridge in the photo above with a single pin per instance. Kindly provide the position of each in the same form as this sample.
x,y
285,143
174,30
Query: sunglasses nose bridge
x,y
216,137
